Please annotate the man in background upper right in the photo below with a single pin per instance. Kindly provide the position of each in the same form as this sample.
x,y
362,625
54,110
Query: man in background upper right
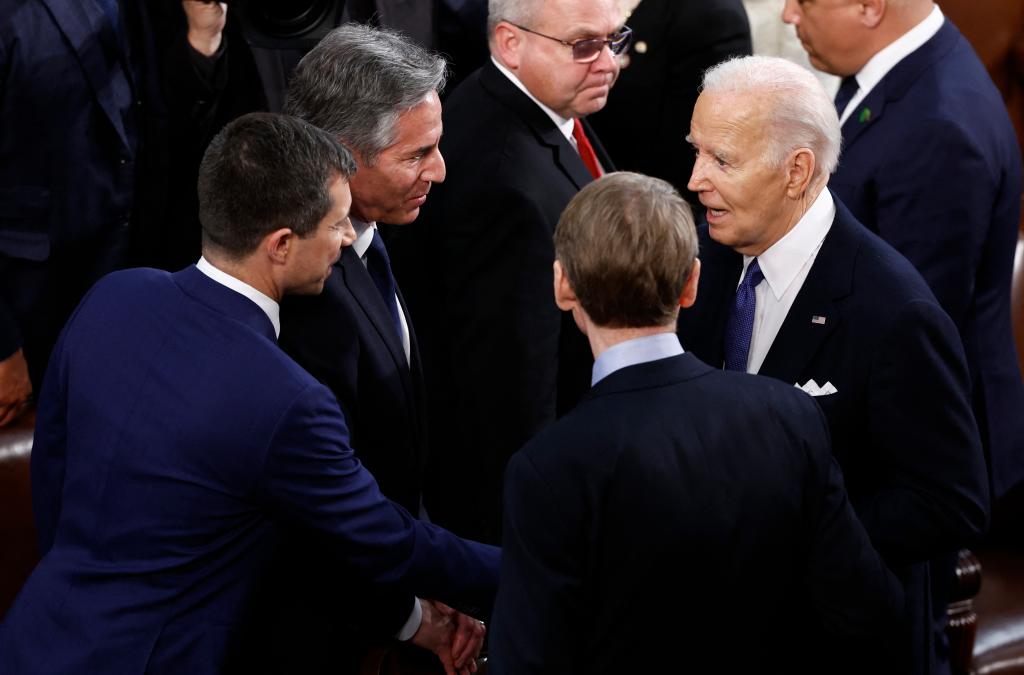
x,y
931,164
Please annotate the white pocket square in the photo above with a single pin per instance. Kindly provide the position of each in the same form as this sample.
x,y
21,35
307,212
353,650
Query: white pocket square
x,y
813,389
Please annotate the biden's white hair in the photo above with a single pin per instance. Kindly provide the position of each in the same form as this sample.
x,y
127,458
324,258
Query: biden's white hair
x,y
800,112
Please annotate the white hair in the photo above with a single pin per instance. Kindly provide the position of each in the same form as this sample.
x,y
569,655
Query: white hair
x,y
800,111
521,12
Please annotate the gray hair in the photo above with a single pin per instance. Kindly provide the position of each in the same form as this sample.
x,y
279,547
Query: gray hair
x,y
801,113
357,82
521,12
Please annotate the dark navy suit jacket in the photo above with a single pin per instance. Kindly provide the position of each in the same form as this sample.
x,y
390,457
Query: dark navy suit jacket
x,y
901,421
657,521
502,359
935,171
175,444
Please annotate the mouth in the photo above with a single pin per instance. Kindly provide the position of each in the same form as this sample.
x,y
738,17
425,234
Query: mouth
x,y
419,200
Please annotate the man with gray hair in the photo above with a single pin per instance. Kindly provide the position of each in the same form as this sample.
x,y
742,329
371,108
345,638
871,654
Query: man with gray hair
x,y
665,489
377,92
795,288
504,361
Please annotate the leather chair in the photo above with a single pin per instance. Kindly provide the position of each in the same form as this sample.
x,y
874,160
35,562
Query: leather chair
x,y
17,534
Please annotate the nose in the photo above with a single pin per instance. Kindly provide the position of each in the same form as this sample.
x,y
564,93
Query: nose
x,y
791,12
434,170
698,177
348,234
606,61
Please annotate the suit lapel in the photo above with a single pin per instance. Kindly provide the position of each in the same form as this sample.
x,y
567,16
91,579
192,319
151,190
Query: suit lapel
x,y
360,285
564,155
897,81
80,22
720,273
815,313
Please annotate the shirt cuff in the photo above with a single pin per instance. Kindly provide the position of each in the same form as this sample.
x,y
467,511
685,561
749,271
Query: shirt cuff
x,y
412,624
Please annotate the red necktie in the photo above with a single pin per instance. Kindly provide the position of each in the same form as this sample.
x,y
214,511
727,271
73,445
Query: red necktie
x,y
586,150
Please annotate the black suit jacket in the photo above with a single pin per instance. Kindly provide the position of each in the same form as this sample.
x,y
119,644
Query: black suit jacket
x,y
346,339
645,123
503,360
663,516
901,421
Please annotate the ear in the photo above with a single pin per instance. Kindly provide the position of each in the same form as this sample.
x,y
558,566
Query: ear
x,y
689,294
565,297
279,244
872,12
507,41
799,171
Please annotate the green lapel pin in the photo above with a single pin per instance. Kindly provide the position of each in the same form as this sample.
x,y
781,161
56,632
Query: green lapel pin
x,y
865,115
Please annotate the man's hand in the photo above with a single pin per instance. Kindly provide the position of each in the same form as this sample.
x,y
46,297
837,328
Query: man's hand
x,y
454,637
15,387
205,24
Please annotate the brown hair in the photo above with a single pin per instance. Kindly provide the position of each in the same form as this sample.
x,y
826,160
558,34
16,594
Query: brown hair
x,y
627,243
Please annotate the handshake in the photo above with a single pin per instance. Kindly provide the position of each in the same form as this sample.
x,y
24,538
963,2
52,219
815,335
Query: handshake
x,y
455,637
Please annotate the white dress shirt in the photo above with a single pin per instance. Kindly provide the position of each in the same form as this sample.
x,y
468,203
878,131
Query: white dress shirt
x,y
273,312
265,302
365,232
886,59
632,352
785,266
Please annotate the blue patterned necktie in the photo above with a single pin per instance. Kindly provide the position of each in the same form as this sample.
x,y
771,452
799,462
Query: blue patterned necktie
x,y
847,89
741,319
379,266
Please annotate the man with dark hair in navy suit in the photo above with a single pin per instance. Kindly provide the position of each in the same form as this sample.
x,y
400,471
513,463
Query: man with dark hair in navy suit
x,y
662,516
931,165
176,445
795,288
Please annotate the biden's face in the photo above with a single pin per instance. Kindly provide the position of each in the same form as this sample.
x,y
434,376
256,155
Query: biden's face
x,y
733,175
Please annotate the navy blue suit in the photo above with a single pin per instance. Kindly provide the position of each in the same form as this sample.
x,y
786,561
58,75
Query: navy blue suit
x,y
175,444
69,156
901,421
346,338
657,521
935,171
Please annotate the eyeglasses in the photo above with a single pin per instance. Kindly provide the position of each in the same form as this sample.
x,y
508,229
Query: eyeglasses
x,y
588,49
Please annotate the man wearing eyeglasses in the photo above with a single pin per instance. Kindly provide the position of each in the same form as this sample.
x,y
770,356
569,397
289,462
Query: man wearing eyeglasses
x,y
502,360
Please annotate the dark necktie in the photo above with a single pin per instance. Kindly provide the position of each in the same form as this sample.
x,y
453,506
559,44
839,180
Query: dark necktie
x,y
741,319
847,89
113,13
379,267
585,149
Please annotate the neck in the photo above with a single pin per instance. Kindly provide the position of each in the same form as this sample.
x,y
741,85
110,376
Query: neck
x,y
602,338
247,271
900,19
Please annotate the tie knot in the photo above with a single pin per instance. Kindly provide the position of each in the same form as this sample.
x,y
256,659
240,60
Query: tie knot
x,y
754,275
847,88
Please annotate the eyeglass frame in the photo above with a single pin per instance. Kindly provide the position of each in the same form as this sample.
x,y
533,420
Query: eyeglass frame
x,y
624,38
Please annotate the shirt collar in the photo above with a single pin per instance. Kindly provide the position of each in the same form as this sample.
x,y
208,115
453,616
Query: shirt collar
x,y
886,59
263,301
783,260
632,352
365,233
564,124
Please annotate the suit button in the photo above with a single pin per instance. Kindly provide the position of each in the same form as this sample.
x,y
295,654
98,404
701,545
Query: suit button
x,y
122,161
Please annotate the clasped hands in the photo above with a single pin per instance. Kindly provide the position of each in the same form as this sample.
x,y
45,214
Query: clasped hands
x,y
453,636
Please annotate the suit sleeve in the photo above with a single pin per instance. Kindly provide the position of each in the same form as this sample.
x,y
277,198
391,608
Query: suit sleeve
x,y
933,491
541,598
312,476
934,204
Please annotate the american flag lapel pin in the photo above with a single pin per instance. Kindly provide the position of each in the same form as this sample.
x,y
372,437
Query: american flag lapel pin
x,y
820,320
